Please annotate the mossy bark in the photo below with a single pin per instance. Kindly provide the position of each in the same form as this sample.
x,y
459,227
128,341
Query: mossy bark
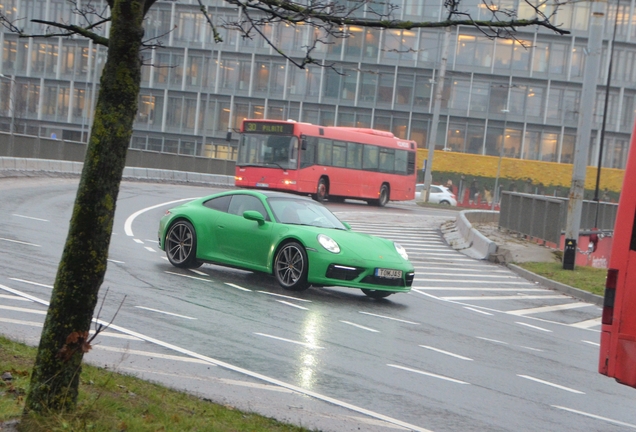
x,y
55,379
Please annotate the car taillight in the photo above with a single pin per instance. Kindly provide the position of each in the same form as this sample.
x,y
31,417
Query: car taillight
x,y
610,295
453,196
167,213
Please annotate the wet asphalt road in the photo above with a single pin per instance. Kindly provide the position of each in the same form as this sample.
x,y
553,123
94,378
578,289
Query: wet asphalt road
x,y
472,347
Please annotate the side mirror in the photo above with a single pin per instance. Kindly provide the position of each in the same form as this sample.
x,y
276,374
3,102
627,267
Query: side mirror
x,y
347,226
254,216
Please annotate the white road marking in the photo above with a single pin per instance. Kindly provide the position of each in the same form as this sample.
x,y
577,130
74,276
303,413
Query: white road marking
x,y
446,352
40,325
519,297
31,283
531,349
21,322
389,318
115,261
360,326
132,217
594,416
199,272
457,279
492,340
150,249
19,309
20,242
462,274
428,374
534,327
188,276
150,354
480,289
291,304
591,343
587,324
151,241
284,296
14,297
237,286
554,308
477,310
164,312
243,371
138,241
30,217
550,384
308,345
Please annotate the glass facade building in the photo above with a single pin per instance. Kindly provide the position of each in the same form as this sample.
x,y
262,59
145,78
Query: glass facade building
x,y
521,94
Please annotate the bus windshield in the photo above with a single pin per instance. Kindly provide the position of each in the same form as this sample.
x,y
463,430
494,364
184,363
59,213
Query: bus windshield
x,y
268,150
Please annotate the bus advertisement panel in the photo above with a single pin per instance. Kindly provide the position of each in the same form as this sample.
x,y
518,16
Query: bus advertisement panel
x,y
618,330
329,163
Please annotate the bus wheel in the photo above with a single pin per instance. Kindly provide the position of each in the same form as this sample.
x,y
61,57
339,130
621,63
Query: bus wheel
x,y
384,196
321,191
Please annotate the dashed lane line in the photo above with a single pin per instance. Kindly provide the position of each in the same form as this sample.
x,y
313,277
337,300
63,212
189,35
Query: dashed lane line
x,y
519,297
551,384
421,372
360,326
151,354
594,416
31,283
291,304
308,345
165,313
553,308
20,242
448,353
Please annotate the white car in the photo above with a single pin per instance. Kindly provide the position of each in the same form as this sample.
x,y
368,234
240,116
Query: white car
x,y
437,195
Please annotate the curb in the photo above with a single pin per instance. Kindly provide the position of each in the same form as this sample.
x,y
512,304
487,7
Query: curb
x,y
557,286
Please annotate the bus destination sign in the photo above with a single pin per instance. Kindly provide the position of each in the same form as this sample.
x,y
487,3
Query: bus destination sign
x,y
270,128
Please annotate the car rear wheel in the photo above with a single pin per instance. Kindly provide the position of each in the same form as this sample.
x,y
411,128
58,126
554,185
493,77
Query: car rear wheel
x,y
444,203
376,294
181,245
291,266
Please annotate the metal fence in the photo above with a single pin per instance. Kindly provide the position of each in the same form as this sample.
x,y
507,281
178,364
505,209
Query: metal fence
x,y
544,217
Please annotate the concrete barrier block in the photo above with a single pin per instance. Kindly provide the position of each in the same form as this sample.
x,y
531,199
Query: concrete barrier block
x,y
21,164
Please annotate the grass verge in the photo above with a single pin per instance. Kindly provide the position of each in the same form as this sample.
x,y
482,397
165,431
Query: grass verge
x,y
585,278
109,401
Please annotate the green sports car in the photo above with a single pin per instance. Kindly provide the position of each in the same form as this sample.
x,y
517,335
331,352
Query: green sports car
x,y
294,238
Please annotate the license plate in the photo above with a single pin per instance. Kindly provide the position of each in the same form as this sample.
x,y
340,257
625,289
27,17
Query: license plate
x,y
388,273
262,184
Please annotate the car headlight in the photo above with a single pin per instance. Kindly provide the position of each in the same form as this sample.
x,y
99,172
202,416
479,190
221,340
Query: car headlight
x,y
328,243
401,251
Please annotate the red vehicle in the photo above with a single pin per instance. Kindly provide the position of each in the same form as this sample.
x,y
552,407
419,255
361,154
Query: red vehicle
x,y
329,163
618,332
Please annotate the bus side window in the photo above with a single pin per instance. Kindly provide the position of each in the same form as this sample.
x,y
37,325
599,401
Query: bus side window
x,y
370,158
324,152
308,152
401,161
354,155
632,243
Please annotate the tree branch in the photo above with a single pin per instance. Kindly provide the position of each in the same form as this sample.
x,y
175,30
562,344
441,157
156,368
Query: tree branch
x,y
71,30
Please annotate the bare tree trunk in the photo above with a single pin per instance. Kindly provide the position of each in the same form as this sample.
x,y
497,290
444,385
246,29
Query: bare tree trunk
x,y
55,379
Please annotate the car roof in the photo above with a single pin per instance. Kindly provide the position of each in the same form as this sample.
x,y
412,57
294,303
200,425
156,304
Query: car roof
x,y
267,194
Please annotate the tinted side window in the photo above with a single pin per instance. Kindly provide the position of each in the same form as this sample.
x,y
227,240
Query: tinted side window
x,y
339,154
220,203
411,164
354,155
370,158
401,161
387,160
243,203
324,151
307,156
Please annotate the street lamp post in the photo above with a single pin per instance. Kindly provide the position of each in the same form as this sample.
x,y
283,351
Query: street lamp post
x,y
495,195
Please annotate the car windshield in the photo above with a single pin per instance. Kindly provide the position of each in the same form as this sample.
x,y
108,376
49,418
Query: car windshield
x,y
303,212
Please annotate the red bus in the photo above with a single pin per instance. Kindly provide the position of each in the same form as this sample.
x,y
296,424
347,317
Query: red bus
x,y
329,163
618,330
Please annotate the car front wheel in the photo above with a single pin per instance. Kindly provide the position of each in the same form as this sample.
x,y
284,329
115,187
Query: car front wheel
x,y
181,245
291,266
